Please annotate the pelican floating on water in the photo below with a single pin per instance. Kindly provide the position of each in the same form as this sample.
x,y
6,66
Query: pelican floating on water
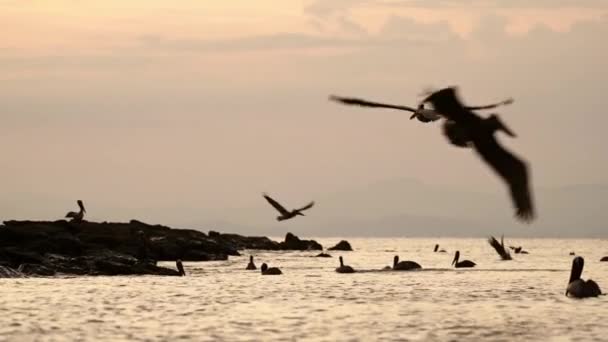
x,y
437,250
463,263
577,287
344,268
518,250
464,128
604,258
251,265
421,113
77,216
269,271
180,267
286,214
404,265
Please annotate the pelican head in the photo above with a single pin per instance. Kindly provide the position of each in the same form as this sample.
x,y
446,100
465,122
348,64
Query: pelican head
x,y
497,125
251,258
264,267
436,248
577,268
81,205
456,257
341,261
395,260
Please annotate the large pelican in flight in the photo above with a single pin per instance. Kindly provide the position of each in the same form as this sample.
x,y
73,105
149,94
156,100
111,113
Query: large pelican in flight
x,y
77,216
464,128
286,214
421,113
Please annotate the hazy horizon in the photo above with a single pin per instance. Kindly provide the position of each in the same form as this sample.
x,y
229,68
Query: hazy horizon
x,y
184,113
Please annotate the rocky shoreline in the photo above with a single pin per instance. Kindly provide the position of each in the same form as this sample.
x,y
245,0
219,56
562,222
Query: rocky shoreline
x,y
48,248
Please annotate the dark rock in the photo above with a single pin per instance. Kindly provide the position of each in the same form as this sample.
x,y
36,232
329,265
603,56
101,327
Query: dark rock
x,y
322,255
7,272
36,269
293,242
341,246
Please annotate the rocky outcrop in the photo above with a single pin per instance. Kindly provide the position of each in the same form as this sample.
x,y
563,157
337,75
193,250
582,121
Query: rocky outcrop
x,y
293,242
46,248
7,272
341,246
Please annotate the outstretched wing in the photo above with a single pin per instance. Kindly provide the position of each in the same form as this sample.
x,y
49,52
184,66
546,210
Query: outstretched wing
x,y
499,248
276,205
512,170
494,105
308,206
364,103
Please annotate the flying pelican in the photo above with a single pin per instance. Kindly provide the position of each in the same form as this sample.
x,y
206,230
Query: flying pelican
x,y
422,114
437,250
404,265
180,267
577,287
463,263
251,265
77,216
270,271
286,214
464,128
344,268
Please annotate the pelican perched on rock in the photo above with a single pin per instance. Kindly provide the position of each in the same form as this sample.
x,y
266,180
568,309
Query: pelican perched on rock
x,y
344,268
404,265
77,216
437,250
180,267
251,265
286,214
421,113
464,128
577,287
269,271
463,263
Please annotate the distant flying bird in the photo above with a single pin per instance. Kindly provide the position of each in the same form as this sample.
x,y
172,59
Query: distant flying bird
x,y
463,263
577,287
180,267
251,265
77,216
344,268
500,247
404,265
286,214
421,113
269,271
464,128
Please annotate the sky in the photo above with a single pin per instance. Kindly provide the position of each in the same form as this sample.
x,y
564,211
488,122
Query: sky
x,y
183,113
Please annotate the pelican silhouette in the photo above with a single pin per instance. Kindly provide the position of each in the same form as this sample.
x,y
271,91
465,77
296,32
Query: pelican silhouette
x,y
77,216
437,250
518,250
180,267
404,265
344,268
251,265
464,128
577,287
286,214
269,271
463,263
500,247
421,113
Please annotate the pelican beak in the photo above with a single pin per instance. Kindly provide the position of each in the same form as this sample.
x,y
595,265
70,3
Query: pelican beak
x,y
507,131
413,115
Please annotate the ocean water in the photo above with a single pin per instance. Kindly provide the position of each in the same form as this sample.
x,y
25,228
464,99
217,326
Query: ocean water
x,y
522,299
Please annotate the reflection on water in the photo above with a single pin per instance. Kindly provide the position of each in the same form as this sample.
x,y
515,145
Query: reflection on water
x,y
497,300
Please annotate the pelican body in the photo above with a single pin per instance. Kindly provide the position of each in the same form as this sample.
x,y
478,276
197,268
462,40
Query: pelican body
x,y
269,271
251,265
404,265
464,128
284,213
578,287
344,268
463,263
180,267
77,216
